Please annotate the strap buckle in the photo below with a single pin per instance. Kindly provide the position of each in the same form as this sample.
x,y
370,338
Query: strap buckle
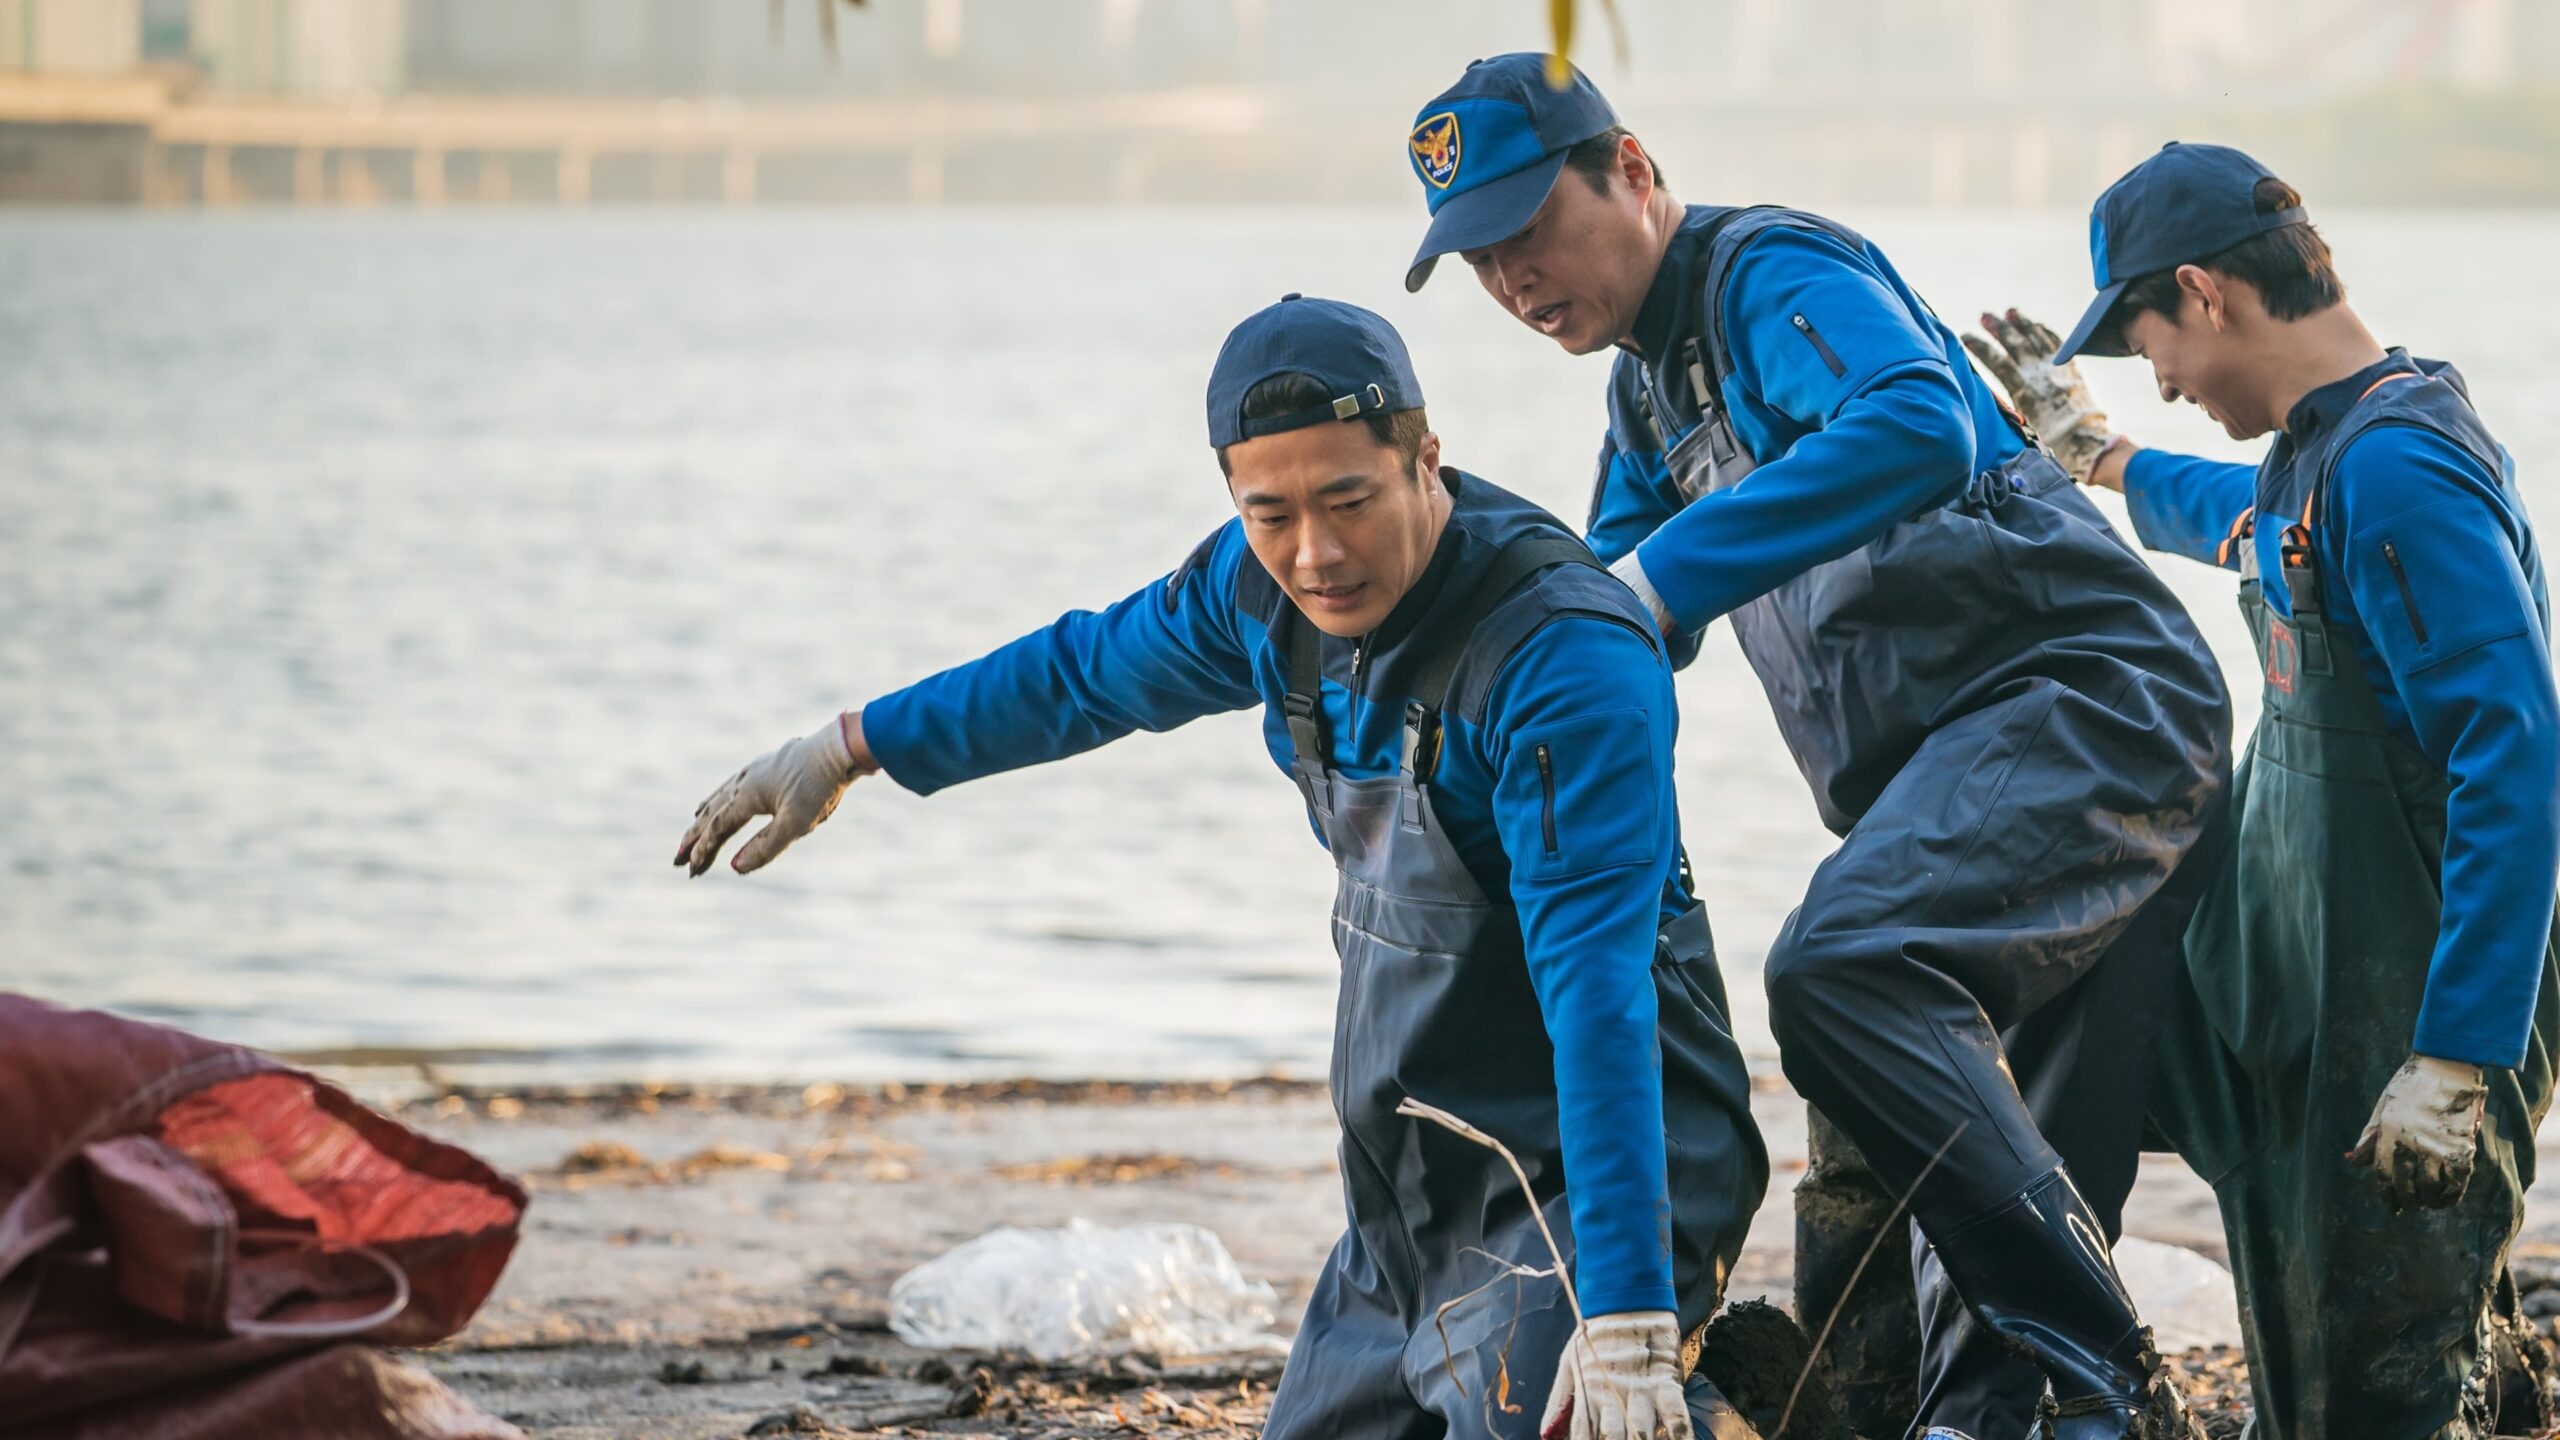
x,y
1306,726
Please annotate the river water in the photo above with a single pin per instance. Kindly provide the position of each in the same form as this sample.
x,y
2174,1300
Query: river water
x,y
380,592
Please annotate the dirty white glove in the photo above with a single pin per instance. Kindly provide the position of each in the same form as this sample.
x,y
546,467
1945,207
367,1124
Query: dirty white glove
x,y
1631,572
2053,398
2425,1132
797,784
1619,1379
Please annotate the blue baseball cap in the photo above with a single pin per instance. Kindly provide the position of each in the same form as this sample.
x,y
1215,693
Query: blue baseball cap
x,y
1356,355
1489,148
2182,205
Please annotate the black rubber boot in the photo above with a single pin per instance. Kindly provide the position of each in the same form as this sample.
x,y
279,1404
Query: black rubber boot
x,y
2036,1272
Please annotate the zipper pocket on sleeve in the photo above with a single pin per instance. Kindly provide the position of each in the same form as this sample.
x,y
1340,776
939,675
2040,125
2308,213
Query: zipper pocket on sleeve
x,y
1547,783
1821,346
2408,594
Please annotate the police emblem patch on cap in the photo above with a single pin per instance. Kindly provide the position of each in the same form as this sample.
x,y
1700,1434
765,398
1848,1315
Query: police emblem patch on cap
x,y
1435,148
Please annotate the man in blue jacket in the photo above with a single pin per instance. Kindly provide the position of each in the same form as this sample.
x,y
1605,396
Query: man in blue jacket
x,y
2366,1045
1480,721
2013,727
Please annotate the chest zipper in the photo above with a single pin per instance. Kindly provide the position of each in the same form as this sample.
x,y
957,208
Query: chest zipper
x,y
2408,594
1359,667
1657,400
1821,346
1657,413
1547,783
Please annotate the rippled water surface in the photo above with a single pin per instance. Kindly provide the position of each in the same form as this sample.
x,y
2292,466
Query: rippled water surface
x,y
378,594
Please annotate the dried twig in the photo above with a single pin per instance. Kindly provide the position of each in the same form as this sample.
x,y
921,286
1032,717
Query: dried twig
x,y
1446,1121
1563,1272
1504,1270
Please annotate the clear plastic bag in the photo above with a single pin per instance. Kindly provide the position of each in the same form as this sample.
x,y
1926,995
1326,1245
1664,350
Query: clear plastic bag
x,y
2188,1301
1084,1290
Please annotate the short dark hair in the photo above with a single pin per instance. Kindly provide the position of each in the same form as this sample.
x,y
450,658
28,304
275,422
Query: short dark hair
x,y
1596,159
1291,391
2288,266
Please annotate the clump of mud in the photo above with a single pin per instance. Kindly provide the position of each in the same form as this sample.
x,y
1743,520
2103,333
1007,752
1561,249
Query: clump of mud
x,y
1758,1356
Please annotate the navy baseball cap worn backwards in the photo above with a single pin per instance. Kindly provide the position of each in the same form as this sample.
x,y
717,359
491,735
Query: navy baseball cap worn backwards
x,y
2185,204
1489,148
1354,354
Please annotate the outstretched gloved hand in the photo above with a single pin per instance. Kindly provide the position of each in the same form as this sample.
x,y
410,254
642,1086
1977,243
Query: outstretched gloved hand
x,y
1619,1379
797,784
2425,1132
2053,398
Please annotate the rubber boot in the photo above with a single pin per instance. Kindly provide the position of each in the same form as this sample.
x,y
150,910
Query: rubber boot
x,y
2036,1272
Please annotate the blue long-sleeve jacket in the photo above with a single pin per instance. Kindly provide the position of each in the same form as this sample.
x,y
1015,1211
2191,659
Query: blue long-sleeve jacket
x,y
1589,902
1857,400
2432,571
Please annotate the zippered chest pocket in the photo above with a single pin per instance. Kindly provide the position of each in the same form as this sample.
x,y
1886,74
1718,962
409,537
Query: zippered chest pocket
x,y
1547,795
2408,595
2441,582
1830,359
1584,794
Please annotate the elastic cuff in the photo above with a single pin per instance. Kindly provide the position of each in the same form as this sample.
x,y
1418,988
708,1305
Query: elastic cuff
x,y
2135,480
2113,443
1625,1299
1630,570
2498,1052
2139,465
853,769
886,732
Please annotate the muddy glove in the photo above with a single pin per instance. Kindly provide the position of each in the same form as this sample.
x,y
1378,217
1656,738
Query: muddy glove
x,y
1619,1379
2054,399
798,785
2425,1132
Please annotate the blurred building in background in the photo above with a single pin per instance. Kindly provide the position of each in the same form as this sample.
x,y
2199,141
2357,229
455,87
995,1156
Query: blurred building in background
x,y
1946,102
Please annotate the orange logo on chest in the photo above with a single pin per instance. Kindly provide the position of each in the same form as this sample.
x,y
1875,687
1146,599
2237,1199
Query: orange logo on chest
x,y
2284,656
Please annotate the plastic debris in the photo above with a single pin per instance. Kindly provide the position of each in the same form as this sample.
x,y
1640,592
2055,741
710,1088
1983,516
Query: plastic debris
x,y
1084,1290
2187,1299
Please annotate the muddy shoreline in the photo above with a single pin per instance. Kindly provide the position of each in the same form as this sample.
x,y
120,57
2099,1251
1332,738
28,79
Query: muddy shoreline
x,y
707,1262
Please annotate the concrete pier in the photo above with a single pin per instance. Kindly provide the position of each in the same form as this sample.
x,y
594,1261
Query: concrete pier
x,y
79,140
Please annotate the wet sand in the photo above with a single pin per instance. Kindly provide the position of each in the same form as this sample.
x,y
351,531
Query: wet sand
x,y
702,1263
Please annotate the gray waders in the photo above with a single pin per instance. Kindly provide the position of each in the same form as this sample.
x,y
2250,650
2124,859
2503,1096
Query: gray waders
x,y
1436,1003
2019,736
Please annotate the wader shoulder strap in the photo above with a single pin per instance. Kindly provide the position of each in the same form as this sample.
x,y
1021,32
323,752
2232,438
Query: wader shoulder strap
x,y
1724,247
2301,566
1703,356
1443,642
1457,625
1302,702
1451,630
1689,361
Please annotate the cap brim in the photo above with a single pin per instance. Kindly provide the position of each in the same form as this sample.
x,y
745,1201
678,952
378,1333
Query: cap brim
x,y
2083,335
1487,215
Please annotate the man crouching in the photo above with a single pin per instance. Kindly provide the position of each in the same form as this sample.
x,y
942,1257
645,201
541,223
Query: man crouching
x,y
1480,720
